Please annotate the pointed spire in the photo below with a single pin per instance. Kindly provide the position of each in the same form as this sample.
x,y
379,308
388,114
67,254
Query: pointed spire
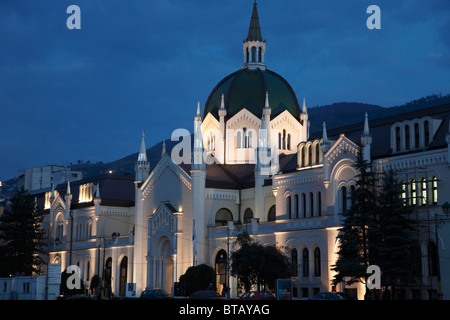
x,y
267,100
68,187
324,132
142,157
254,31
304,110
198,116
163,148
366,125
222,103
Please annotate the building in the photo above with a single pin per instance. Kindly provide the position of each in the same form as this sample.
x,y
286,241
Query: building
x,y
42,177
253,160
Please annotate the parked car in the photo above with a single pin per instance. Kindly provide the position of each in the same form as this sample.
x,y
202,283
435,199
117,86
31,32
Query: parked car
x,y
206,294
333,296
155,294
257,295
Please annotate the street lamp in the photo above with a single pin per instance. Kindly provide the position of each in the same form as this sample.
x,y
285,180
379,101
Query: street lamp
x,y
237,225
107,244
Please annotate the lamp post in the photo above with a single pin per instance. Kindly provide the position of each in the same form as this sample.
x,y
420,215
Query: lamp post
x,y
238,226
107,244
440,220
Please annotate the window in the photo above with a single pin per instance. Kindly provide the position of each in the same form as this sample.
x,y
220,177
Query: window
x,y
403,192
284,140
344,198
426,127
310,155
279,141
248,215
311,204
317,153
245,138
305,262
303,157
432,259
317,271
398,140
289,142
352,196
289,207
416,135
304,205
319,203
294,263
407,137
423,190
253,54
296,204
259,54
223,216
434,194
272,213
413,193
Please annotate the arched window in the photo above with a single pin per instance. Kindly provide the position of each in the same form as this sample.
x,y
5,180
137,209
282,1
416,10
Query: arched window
x,y
248,215
305,262
433,198
413,192
123,276
317,153
407,137
398,141
432,259
253,54
416,135
284,140
223,216
352,195
296,204
319,203
310,155
317,268
279,141
311,204
304,205
221,269
303,156
294,263
426,129
344,198
250,137
245,138
259,54
289,207
247,55
423,192
272,213
288,142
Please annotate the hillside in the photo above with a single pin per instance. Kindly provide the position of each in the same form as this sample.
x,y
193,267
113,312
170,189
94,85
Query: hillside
x,y
335,115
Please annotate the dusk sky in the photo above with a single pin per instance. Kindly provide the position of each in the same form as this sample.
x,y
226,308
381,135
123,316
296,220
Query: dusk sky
x,y
142,65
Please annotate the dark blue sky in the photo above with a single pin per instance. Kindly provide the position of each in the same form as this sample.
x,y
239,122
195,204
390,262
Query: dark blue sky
x,y
143,65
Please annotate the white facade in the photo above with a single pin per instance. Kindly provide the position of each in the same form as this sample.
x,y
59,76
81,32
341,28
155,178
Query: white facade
x,y
183,214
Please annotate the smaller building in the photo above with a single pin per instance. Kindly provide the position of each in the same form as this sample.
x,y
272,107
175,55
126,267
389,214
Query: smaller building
x,y
27,288
42,177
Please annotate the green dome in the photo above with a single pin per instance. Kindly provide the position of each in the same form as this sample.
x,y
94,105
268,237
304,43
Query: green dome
x,y
246,88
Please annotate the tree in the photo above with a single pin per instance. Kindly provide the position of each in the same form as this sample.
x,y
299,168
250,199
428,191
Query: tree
x,y
395,233
256,264
23,238
198,278
355,234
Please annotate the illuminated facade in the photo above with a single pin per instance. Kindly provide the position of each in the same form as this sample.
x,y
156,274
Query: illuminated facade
x,y
174,216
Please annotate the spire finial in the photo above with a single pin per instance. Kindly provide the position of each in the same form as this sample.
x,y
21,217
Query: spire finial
x,y
142,152
324,132
222,103
304,106
366,124
163,148
68,187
